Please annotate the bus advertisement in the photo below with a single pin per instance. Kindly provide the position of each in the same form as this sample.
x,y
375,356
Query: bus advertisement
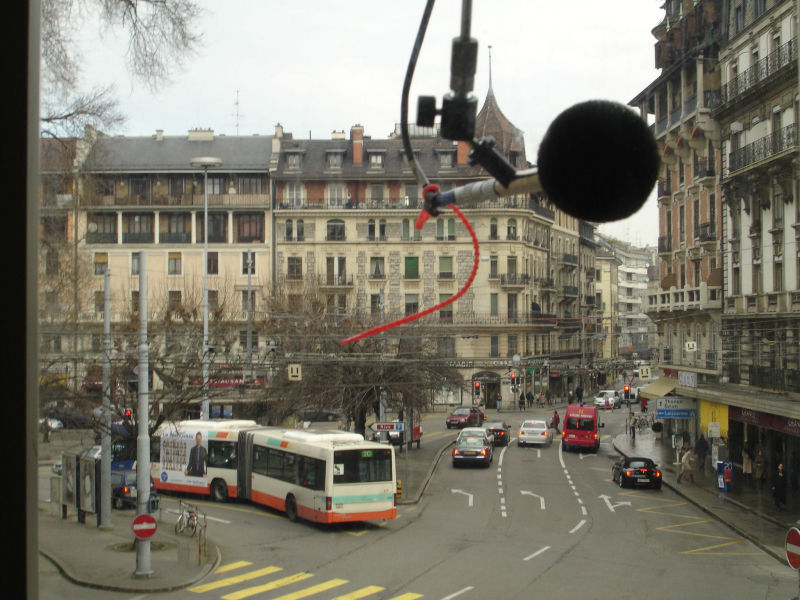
x,y
325,476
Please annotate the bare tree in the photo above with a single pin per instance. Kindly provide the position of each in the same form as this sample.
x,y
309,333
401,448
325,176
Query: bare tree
x,y
161,36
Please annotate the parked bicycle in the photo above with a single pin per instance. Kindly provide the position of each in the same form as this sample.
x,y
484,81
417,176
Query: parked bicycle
x,y
188,519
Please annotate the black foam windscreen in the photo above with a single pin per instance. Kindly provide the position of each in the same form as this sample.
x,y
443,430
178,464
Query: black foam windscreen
x,y
598,161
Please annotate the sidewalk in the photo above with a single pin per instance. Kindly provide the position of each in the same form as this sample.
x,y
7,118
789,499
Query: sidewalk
x,y
751,513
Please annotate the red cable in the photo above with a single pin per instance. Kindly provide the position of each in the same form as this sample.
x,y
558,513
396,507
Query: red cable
x,y
427,311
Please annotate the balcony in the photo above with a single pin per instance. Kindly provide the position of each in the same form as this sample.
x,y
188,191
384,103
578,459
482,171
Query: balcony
x,y
570,290
569,260
783,140
337,280
783,57
514,280
168,237
664,244
547,285
706,234
704,169
107,238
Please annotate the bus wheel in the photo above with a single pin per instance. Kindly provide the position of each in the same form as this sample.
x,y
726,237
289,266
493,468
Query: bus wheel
x,y
291,508
219,491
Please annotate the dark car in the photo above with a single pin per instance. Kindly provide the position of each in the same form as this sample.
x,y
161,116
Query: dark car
x,y
321,414
123,488
500,430
636,471
465,416
473,450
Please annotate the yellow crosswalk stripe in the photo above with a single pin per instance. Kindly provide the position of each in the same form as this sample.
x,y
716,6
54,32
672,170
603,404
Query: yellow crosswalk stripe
x,y
233,566
314,589
362,593
409,596
234,580
272,585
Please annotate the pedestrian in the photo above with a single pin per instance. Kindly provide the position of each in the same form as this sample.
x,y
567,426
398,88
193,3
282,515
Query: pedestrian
x,y
760,467
499,401
542,399
747,466
555,422
569,397
46,429
522,400
549,396
579,393
701,450
686,465
779,487
644,405
529,398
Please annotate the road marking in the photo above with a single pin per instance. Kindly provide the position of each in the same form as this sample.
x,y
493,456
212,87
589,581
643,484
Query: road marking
x,y
234,580
537,553
363,592
232,566
612,507
467,494
408,596
584,511
541,498
272,585
314,589
578,526
458,593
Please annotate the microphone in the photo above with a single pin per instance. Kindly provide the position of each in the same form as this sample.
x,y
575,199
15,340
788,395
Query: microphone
x,y
598,161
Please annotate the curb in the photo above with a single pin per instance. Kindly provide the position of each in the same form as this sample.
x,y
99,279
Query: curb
x,y
428,475
725,522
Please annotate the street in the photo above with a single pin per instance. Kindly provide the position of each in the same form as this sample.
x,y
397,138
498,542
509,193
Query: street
x,y
537,522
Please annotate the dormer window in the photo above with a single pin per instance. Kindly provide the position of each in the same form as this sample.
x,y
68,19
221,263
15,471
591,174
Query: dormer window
x,y
294,160
446,158
376,160
334,160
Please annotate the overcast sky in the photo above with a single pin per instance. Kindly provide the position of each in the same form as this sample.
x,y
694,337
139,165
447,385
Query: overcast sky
x,y
316,66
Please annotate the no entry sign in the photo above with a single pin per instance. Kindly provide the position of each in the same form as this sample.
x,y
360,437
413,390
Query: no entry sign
x,y
793,547
144,526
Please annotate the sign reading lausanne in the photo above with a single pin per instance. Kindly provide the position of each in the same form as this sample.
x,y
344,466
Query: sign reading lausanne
x,y
676,408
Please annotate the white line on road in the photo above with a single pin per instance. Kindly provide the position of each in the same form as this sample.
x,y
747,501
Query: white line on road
x,y
541,498
578,526
458,593
537,553
452,491
584,511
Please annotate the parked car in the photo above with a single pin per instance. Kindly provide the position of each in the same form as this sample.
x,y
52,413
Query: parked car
x,y
534,432
500,432
473,449
123,488
636,471
611,398
55,424
321,414
465,416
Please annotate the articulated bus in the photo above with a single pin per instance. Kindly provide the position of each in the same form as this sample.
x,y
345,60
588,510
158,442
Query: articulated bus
x,y
325,476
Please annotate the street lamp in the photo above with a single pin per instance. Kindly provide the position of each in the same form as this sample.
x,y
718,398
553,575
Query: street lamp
x,y
205,162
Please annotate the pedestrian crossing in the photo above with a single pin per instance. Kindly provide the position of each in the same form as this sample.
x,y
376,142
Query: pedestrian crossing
x,y
239,583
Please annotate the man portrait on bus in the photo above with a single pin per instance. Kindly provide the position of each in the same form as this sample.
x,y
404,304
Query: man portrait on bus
x,y
198,458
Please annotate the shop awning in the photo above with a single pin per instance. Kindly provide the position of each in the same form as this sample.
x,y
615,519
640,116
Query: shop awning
x,y
660,387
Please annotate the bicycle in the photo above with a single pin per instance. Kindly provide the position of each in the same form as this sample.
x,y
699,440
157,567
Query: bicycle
x,y
188,519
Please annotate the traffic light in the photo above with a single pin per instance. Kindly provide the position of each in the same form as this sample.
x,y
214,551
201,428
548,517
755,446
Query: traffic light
x,y
477,388
514,382
627,391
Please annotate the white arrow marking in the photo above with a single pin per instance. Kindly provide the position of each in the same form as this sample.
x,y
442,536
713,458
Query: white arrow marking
x,y
537,553
587,455
468,495
458,593
611,507
527,493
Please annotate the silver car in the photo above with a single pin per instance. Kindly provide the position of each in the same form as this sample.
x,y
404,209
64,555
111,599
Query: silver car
x,y
534,432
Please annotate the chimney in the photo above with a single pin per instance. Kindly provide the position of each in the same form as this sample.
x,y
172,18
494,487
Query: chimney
x,y
462,153
159,135
357,137
278,130
201,135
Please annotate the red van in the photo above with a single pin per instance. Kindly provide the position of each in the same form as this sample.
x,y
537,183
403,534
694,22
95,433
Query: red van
x,y
581,424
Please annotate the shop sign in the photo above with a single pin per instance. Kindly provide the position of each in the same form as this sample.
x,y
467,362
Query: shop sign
x,y
765,420
687,379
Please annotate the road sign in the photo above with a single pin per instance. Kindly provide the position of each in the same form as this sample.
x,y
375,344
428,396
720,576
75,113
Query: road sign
x,y
144,526
388,426
793,547
295,372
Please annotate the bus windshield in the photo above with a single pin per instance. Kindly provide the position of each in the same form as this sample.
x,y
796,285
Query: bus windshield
x,y
362,466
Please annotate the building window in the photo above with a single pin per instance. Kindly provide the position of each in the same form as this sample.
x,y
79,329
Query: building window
x,y
100,263
248,260
335,231
174,263
250,228
294,267
293,195
139,190
176,186
217,227
334,160
376,192
337,194
301,231
248,300
411,267
213,263
493,229
493,273
376,160
99,302
411,304
511,229
135,301
445,267
216,185
446,160
250,185
135,258
293,160
512,345
174,300
494,300
446,312
375,304
288,235
412,195
243,340
376,267
494,346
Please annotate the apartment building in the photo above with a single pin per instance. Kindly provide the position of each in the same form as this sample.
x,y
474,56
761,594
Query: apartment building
x,y
724,112
333,218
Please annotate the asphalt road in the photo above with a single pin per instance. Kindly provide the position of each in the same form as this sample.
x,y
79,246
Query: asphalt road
x,y
537,523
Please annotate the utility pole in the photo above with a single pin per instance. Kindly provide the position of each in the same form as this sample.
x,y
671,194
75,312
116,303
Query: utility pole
x,y
105,418
143,569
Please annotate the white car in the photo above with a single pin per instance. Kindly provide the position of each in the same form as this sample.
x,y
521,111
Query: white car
x,y
534,433
613,397
475,432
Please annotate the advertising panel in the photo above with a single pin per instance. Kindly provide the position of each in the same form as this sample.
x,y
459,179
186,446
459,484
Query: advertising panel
x,y
184,458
